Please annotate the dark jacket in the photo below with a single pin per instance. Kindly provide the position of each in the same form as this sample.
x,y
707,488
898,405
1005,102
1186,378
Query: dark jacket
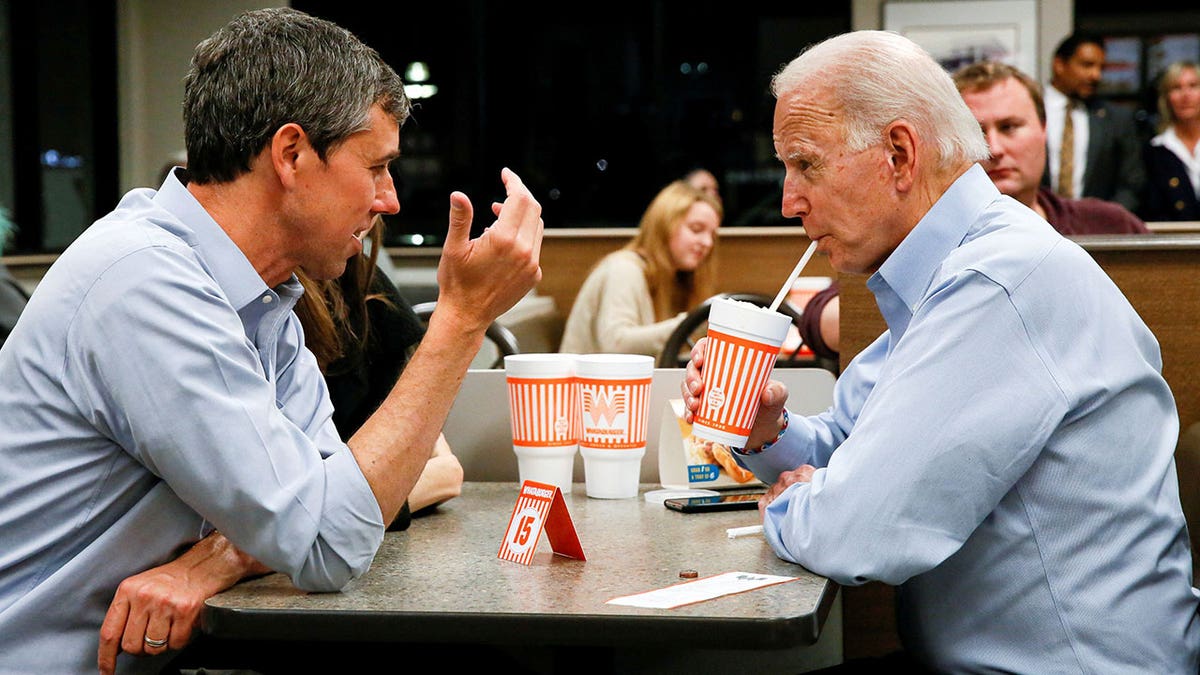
x,y
1114,170
1169,194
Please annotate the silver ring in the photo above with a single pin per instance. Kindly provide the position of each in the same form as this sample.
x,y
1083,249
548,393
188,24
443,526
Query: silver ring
x,y
154,643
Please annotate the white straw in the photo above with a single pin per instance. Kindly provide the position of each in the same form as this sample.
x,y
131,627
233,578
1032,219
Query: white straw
x,y
735,532
795,273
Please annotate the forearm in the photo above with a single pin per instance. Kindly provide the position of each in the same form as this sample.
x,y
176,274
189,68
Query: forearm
x,y
441,480
394,445
214,564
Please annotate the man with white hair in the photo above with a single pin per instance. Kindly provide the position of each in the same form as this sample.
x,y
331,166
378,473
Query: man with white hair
x,y
1003,453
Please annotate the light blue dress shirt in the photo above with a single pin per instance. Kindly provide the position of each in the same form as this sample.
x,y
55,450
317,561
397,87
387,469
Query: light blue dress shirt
x,y
154,389
1003,454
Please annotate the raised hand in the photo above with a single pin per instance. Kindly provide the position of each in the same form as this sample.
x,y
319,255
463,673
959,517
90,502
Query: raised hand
x,y
480,279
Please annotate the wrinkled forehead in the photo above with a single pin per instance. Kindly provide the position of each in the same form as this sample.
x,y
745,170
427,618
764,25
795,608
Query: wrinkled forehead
x,y
808,115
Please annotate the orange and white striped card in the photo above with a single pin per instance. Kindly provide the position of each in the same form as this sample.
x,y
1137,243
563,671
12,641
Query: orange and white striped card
x,y
614,413
735,372
543,411
539,507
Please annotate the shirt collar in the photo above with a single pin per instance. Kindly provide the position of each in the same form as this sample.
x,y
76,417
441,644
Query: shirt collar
x,y
1170,140
1053,99
909,270
224,260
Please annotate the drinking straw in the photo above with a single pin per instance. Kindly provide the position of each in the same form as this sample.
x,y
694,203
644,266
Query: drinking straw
x,y
735,532
795,273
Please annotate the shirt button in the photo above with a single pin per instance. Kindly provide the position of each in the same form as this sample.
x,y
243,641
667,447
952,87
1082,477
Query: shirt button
x,y
1174,182
1179,206
266,299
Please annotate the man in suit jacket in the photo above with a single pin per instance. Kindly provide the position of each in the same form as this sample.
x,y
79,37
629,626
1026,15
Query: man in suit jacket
x,y
1104,158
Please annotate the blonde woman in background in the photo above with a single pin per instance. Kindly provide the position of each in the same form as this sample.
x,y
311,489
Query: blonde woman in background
x,y
634,297
1172,159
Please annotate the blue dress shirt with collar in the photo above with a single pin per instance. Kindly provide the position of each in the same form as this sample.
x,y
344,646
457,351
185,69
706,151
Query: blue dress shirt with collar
x,y
1003,453
156,389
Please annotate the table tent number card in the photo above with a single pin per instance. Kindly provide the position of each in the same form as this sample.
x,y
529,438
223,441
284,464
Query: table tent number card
x,y
539,506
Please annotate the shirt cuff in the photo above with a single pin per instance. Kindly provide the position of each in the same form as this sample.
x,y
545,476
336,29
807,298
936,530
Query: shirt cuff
x,y
765,446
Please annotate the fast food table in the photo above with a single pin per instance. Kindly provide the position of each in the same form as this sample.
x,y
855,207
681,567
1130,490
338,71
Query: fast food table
x,y
442,582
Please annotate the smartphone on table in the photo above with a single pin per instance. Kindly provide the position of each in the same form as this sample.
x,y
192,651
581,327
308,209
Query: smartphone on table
x,y
727,502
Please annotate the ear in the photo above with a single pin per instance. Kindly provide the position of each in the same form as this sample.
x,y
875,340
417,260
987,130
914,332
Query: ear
x,y
900,143
288,149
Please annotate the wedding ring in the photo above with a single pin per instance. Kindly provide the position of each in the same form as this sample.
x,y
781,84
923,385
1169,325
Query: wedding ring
x,y
154,643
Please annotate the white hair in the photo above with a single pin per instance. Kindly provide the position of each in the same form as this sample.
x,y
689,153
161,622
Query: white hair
x,y
878,77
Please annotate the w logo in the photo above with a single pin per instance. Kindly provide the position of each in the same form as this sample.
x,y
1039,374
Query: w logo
x,y
605,404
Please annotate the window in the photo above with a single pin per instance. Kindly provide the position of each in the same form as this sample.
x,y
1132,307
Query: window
x,y
58,136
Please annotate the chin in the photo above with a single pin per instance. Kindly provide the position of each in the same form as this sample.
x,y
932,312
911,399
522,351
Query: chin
x,y
326,273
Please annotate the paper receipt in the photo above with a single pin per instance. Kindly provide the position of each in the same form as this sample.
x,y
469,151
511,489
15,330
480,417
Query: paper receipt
x,y
699,590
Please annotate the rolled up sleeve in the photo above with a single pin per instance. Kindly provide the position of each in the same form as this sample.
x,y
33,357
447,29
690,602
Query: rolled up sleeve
x,y
238,426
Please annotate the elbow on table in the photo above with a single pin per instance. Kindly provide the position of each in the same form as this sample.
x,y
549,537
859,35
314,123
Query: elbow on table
x,y
831,552
844,565
326,569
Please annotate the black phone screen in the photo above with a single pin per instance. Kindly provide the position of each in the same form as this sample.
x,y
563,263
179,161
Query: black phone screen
x,y
730,502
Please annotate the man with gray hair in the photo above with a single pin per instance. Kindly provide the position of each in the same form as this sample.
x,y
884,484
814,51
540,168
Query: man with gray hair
x,y
159,403
1003,453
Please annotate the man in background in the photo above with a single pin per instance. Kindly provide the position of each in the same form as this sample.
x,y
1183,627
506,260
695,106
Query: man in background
x,y
1093,145
703,180
1008,105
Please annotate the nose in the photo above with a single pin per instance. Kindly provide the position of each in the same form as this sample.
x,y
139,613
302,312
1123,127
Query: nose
x,y
386,200
795,204
995,143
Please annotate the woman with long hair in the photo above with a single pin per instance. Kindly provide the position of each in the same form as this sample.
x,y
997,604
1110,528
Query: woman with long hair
x,y
634,297
363,332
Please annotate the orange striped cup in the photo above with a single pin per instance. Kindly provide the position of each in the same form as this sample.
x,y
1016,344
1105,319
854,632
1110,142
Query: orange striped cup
x,y
743,343
614,418
544,408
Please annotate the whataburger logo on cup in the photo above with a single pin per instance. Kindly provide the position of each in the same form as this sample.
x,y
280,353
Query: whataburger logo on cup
x,y
542,411
614,413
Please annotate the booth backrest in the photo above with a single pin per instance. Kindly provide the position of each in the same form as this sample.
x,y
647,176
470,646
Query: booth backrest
x,y
748,259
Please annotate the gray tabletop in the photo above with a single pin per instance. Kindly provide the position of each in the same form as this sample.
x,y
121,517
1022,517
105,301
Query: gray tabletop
x,y
441,581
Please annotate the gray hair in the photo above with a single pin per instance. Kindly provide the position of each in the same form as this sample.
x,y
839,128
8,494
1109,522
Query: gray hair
x,y
878,77
275,66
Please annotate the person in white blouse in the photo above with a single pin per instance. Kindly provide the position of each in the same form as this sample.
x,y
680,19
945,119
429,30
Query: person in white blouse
x,y
1173,156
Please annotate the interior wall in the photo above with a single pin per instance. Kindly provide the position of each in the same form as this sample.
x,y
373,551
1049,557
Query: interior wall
x,y
1055,21
154,50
